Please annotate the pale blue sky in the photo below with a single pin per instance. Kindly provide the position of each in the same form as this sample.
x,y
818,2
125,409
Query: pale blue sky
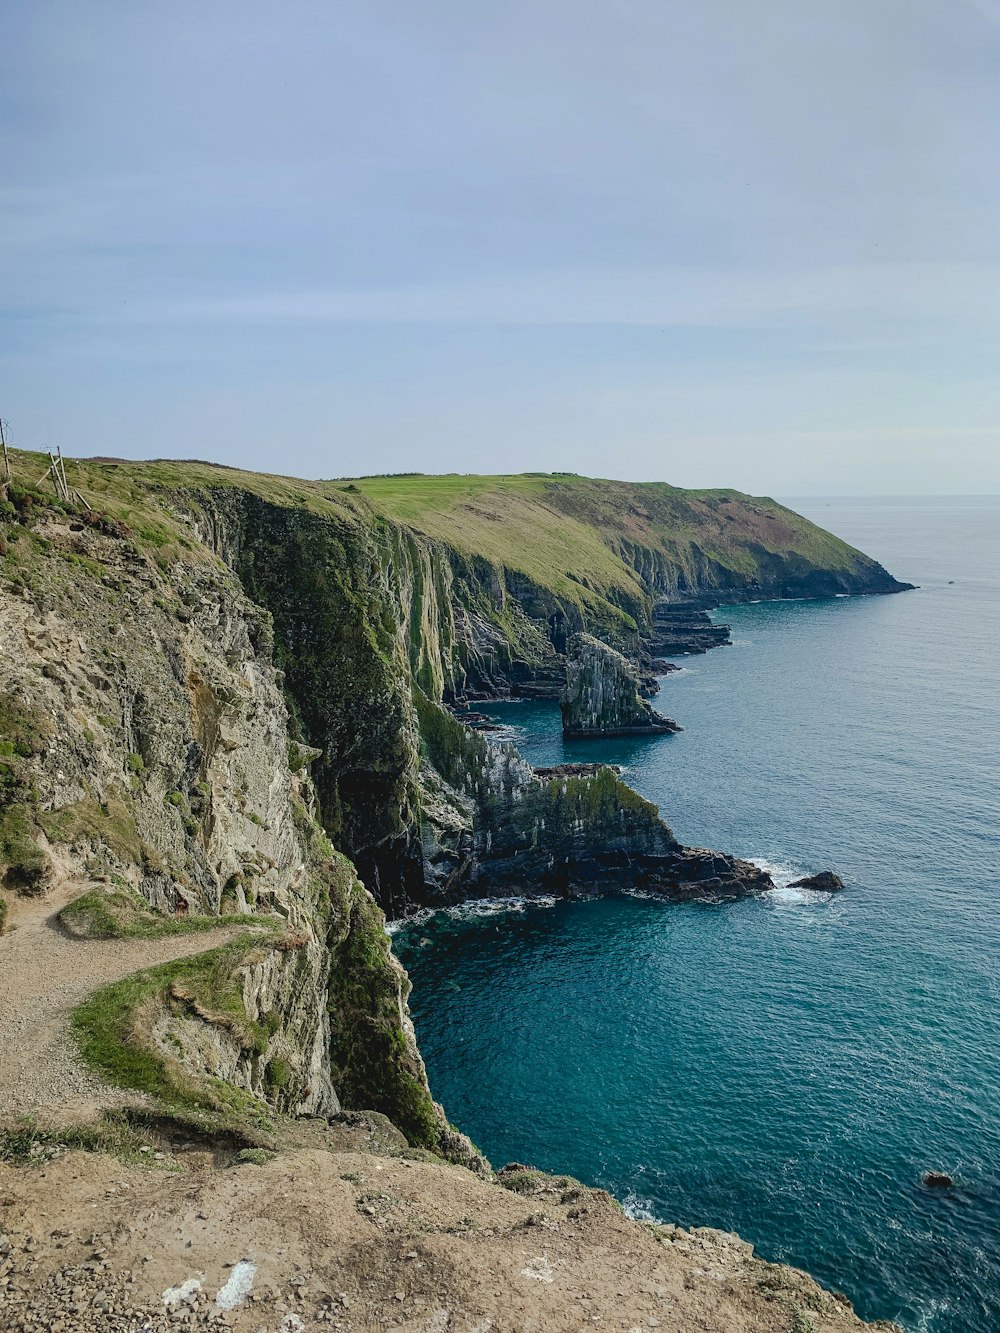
x,y
752,243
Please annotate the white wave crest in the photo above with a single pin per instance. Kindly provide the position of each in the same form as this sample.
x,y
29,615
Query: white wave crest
x,y
471,911
783,874
640,1209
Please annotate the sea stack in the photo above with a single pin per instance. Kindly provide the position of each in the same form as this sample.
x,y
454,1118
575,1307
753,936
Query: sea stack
x,y
601,696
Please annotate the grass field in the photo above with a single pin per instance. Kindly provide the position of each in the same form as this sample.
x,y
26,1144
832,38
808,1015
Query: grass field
x,y
575,535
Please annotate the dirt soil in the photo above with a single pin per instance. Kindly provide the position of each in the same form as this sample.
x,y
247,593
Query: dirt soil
x,y
44,975
357,1242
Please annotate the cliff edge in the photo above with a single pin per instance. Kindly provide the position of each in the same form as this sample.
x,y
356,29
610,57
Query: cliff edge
x,y
226,752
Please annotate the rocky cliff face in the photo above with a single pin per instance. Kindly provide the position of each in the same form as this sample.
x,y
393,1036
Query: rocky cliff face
x,y
227,698
146,756
601,696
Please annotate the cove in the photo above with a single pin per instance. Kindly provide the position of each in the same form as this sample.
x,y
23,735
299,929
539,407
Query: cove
x,y
786,1067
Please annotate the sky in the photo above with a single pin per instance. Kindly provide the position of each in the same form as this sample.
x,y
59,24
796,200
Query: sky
x,y
742,243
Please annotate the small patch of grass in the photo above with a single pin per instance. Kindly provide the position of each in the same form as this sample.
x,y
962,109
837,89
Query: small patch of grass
x,y
254,1156
528,1180
24,1143
23,865
121,913
24,728
112,823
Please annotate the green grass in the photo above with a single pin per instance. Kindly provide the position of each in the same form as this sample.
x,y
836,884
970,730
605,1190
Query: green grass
x,y
112,823
24,1143
121,913
511,522
556,525
254,1157
413,496
112,1028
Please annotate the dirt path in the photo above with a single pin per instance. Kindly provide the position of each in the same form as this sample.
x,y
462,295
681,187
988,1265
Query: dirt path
x,y
44,974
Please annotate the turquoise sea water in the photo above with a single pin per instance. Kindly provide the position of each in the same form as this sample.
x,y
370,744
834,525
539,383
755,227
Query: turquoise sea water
x,y
786,1068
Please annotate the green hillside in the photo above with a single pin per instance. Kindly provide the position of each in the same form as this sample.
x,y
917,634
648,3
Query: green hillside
x,y
593,543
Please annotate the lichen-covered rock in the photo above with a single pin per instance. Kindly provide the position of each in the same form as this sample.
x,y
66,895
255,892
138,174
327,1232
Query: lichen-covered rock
x,y
601,696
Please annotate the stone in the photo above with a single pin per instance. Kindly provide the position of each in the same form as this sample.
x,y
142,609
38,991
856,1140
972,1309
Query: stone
x,y
602,695
826,880
937,1180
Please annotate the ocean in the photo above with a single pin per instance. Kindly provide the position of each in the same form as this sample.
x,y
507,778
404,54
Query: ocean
x,y
785,1067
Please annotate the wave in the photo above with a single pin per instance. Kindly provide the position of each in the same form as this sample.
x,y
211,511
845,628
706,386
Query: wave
x,y
783,894
471,911
640,1209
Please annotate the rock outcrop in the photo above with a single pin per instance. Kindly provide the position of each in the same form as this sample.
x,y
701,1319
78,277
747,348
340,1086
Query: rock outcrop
x,y
678,629
826,880
602,697
492,825
226,696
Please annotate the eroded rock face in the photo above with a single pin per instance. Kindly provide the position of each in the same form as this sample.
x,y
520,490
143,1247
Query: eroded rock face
x,y
147,757
602,695
497,826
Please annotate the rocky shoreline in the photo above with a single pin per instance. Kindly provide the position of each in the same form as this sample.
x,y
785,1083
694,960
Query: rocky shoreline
x,y
602,695
228,713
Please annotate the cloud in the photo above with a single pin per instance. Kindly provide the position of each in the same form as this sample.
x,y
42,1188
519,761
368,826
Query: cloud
x,y
668,297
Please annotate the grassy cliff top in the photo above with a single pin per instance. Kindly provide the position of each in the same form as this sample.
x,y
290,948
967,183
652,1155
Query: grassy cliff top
x,y
575,535
482,513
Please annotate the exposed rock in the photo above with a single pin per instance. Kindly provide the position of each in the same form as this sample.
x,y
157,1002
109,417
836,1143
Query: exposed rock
x,y
680,628
937,1180
497,826
602,695
825,880
355,1240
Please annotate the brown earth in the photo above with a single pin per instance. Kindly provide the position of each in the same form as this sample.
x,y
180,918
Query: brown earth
x,y
358,1242
44,975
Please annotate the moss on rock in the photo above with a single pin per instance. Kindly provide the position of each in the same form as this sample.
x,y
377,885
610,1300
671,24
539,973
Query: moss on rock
x,y
375,1062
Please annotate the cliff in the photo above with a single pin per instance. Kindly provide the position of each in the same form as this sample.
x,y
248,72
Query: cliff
x,y
224,702
223,717
602,697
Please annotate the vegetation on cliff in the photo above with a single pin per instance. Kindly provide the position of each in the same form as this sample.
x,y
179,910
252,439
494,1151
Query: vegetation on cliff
x,y
226,701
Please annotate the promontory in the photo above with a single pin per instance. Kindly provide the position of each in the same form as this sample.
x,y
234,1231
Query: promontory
x,y
229,750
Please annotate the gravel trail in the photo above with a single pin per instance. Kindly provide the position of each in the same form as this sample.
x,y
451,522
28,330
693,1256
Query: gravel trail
x,y
44,975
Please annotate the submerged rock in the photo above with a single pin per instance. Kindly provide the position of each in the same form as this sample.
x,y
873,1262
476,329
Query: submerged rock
x,y
937,1180
602,695
826,880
